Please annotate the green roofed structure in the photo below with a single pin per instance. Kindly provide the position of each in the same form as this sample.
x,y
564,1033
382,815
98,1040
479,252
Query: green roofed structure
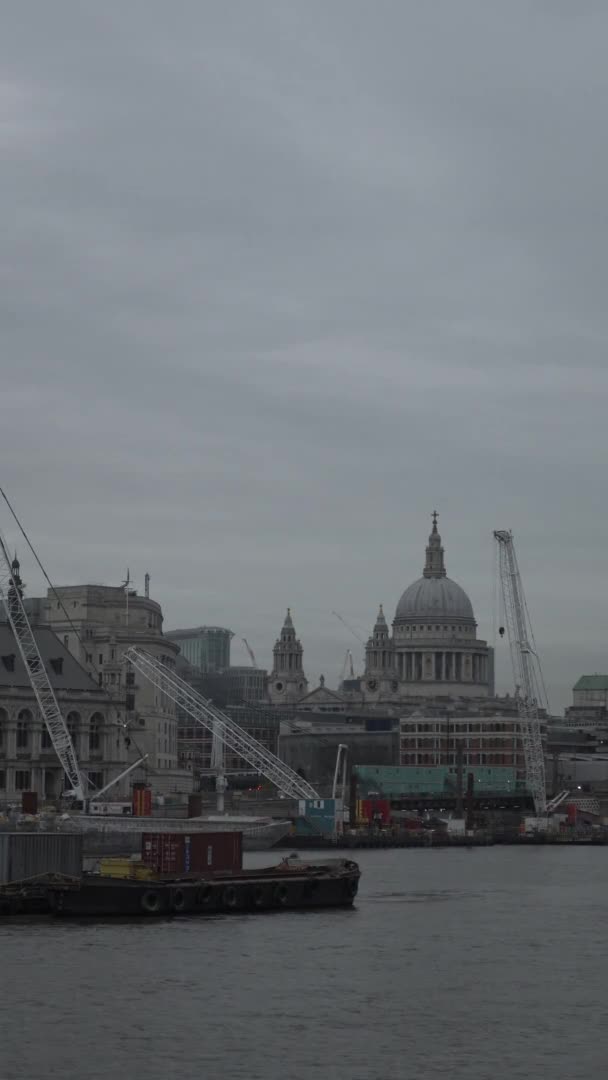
x,y
591,690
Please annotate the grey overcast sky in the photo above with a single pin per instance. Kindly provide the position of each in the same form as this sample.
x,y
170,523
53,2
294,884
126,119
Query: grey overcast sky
x,y
279,278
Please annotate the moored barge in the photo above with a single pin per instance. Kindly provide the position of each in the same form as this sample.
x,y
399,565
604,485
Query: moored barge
x,y
289,886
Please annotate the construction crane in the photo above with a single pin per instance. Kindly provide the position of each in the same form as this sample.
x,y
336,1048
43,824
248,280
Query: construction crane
x,y
220,724
10,593
347,666
250,652
341,760
530,689
348,627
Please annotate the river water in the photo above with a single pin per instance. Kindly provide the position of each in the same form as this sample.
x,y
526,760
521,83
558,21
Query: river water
x,y
482,964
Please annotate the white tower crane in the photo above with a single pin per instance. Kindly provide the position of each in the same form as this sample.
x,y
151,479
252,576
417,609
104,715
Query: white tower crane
x,y
10,593
219,723
530,690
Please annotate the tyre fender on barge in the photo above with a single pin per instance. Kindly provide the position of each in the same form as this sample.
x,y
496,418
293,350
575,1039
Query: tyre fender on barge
x,y
290,886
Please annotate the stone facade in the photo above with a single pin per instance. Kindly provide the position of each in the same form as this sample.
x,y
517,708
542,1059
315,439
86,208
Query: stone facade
x,y
287,682
28,761
432,653
434,649
103,622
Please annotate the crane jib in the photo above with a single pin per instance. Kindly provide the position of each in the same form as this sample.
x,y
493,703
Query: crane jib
x,y
234,737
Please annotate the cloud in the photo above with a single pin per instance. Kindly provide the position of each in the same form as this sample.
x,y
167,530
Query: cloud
x,y
278,279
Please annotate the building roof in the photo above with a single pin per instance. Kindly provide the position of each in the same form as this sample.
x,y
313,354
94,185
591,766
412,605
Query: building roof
x,y
68,675
434,595
434,598
592,682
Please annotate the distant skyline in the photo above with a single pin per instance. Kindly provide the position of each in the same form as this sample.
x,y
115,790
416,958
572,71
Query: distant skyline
x,y
280,279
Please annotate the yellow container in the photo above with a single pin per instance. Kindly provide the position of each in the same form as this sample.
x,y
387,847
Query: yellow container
x,y
124,868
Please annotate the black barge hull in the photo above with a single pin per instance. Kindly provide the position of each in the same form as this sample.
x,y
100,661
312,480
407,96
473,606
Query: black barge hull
x,y
321,886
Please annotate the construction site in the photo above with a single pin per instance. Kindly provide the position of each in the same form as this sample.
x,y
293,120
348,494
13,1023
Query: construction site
x,y
448,775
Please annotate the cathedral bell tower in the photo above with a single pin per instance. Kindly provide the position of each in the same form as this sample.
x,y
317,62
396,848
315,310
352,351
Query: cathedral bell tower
x,y
379,670
287,682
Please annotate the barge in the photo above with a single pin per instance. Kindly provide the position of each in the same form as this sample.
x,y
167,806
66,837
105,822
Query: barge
x,y
290,886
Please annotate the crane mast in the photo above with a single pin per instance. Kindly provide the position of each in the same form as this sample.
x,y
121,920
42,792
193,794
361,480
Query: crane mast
x,y
10,593
220,725
526,669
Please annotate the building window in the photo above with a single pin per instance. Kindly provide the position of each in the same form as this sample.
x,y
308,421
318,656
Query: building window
x,y
89,658
57,665
96,779
113,654
24,720
130,702
73,725
45,740
130,677
2,780
9,662
22,780
101,658
95,732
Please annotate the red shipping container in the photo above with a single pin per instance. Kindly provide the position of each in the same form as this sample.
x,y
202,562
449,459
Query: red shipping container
x,y
193,853
382,808
372,809
142,801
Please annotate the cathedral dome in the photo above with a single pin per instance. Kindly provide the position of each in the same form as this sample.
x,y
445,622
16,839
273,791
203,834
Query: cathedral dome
x,y
435,595
434,598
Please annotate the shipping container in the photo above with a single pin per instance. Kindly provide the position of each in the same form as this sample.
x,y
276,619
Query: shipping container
x,y
125,868
376,811
142,801
193,853
26,856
